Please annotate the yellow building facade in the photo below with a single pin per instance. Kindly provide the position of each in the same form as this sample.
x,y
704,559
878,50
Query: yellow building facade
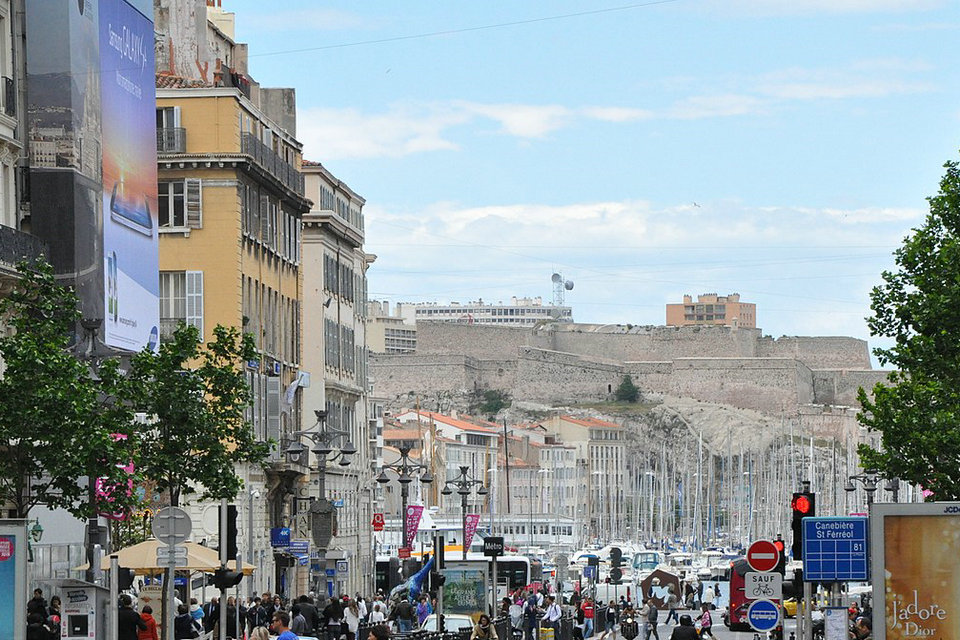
x,y
231,202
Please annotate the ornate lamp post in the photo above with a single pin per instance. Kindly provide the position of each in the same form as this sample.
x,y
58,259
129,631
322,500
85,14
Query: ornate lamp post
x,y
324,441
869,481
405,470
463,483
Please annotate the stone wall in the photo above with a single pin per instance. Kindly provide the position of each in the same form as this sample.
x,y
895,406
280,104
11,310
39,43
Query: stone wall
x,y
818,352
548,376
839,387
477,341
395,376
652,344
770,385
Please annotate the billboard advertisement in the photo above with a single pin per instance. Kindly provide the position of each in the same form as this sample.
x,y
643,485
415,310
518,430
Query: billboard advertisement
x,y
91,122
465,590
129,197
915,552
13,580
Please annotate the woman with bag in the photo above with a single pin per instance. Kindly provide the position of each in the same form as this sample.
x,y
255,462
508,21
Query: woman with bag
x,y
706,621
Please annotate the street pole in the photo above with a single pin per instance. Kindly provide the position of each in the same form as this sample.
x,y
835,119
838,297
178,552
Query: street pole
x,y
404,493
170,609
439,541
250,591
112,614
463,525
223,565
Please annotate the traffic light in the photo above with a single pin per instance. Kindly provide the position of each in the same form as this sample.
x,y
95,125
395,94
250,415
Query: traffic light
x,y
125,578
223,579
804,505
781,567
616,560
231,531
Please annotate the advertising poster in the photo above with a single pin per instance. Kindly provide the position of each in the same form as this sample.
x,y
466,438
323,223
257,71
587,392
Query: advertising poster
x,y
465,590
414,511
129,199
915,550
13,581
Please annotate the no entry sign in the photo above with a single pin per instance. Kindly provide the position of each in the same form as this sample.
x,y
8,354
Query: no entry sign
x,y
763,555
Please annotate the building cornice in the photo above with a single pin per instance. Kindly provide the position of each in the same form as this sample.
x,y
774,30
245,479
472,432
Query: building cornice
x,y
330,222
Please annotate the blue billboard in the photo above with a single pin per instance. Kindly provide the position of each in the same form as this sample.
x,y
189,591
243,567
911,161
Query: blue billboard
x,y
129,197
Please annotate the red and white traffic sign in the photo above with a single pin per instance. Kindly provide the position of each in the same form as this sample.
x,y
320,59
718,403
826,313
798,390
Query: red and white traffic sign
x,y
403,552
377,522
763,555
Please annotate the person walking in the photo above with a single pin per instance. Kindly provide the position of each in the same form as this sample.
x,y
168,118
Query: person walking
x,y
150,633
531,614
351,616
706,621
588,611
129,622
684,630
553,615
610,619
483,630
653,614
673,603
405,615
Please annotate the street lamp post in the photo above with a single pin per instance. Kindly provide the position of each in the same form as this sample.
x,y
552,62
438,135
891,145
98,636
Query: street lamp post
x,y
868,479
324,440
463,483
405,470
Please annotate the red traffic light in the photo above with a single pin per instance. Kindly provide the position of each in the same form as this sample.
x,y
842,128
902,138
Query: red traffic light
x,y
780,546
802,504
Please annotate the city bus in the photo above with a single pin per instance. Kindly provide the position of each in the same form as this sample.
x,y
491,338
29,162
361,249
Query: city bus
x,y
513,571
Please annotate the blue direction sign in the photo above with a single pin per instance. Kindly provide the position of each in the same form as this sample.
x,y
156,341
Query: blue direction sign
x,y
835,549
763,615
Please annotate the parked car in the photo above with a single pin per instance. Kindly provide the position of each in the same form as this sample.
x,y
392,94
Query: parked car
x,y
451,622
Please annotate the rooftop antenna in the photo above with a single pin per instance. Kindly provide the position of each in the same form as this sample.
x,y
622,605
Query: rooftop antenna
x,y
559,286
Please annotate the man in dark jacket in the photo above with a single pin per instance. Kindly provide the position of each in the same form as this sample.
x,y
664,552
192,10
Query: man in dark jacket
x,y
129,621
309,612
211,614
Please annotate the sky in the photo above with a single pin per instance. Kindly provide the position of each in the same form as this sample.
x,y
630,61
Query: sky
x,y
779,149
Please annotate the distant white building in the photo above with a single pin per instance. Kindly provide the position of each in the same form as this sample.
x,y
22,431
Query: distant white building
x,y
388,333
520,312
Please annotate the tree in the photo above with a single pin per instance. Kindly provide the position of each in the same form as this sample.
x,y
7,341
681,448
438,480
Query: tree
x,y
59,425
917,412
627,391
196,396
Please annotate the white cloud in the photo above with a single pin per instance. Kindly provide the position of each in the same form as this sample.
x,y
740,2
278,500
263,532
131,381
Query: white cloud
x,y
617,114
521,120
697,107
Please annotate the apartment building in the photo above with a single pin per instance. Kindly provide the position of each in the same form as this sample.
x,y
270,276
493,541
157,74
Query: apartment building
x,y
712,309
390,334
335,353
519,312
230,213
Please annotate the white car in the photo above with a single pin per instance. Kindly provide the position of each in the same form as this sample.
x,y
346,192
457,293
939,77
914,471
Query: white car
x,y
451,622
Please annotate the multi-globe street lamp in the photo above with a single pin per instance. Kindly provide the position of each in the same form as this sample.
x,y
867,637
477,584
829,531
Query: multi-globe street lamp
x,y
870,480
463,484
325,439
405,470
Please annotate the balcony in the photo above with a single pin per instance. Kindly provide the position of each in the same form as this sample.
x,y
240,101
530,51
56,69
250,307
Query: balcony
x,y
171,140
16,246
269,161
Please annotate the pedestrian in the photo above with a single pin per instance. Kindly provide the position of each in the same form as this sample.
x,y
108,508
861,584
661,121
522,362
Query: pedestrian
x,y
351,616
37,628
483,630
298,623
377,616
379,632
863,628
37,604
706,621
610,620
54,616
196,612
709,595
211,613
423,610
684,630
129,622
653,613
588,611
183,627
260,633
310,614
332,615
530,617
404,615
673,603
150,633
281,626
553,615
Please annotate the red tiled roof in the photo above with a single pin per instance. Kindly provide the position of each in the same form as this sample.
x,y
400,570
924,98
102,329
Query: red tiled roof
x,y
590,422
401,434
454,422
167,81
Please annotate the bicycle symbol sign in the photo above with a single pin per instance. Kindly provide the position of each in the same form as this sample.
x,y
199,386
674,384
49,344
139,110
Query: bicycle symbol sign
x,y
762,586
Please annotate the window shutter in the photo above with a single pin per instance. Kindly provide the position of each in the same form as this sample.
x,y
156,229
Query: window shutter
x,y
273,412
264,219
195,300
194,197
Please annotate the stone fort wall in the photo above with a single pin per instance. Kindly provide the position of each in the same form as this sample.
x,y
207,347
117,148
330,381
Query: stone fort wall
x,y
740,368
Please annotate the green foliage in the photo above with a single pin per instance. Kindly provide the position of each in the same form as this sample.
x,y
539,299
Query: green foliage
x,y
917,412
56,422
490,402
627,391
196,396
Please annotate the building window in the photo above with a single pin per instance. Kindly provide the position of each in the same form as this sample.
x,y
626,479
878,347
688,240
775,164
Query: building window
x,y
180,204
181,299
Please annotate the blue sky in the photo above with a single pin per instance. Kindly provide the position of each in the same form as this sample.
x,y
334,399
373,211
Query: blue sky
x,y
776,148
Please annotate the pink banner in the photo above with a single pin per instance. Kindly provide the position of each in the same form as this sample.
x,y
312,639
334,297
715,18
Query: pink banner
x,y
473,519
414,511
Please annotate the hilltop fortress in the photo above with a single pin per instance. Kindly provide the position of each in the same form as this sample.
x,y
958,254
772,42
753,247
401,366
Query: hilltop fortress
x,y
811,382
